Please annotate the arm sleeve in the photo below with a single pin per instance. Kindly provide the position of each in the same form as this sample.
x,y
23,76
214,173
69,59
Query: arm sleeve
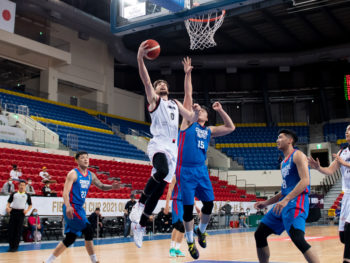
x,y
10,200
29,200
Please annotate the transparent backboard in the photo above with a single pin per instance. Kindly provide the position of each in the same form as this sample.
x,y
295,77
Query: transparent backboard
x,y
129,16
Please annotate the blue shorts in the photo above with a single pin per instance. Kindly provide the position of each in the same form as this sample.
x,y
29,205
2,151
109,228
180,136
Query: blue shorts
x,y
294,214
177,211
79,221
195,182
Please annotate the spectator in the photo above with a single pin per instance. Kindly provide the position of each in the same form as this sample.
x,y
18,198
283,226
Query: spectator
x,y
260,212
93,221
29,188
34,224
247,211
8,187
15,173
265,211
44,175
163,221
17,125
16,208
47,190
242,218
127,210
227,209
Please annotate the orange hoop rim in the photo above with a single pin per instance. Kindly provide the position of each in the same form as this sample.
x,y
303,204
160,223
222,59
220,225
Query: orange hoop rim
x,y
208,20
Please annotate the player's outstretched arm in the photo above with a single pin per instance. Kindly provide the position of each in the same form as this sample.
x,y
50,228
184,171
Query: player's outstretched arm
x,y
228,126
70,179
186,62
191,116
143,72
331,169
104,187
168,196
300,161
272,200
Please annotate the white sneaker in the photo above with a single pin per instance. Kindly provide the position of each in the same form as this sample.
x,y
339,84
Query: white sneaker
x,y
136,212
139,231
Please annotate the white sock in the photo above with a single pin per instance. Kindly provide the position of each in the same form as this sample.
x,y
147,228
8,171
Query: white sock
x,y
172,244
202,227
177,246
189,236
93,258
50,259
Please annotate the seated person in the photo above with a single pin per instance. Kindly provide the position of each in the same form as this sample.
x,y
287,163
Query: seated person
x,y
29,188
93,221
163,221
34,223
8,187
15,173
242,218
44,175
47,190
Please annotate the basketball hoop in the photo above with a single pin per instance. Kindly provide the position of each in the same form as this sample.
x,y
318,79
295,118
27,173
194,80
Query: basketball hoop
x,y
202,28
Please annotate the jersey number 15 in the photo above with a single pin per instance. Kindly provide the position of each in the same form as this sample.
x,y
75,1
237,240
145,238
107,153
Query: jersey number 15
x,y
201,144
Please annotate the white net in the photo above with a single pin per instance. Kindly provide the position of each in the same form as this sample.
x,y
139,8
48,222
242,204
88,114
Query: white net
x,y
202,28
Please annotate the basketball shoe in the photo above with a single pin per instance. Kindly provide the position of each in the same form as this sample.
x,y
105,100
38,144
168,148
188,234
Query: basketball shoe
x,y
172,253
201,237
139,232
136,212
193,250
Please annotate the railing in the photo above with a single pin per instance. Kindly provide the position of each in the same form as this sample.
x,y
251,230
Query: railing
x,y
329,181
18,109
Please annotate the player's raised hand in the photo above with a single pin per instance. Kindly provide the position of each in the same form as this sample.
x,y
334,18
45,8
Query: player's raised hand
x,y
217,106
196,107
142,50
69,212
260,205
116,186
315,164
186,62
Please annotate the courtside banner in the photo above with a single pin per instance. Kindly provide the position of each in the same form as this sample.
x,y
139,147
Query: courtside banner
x,y
52,206
7,15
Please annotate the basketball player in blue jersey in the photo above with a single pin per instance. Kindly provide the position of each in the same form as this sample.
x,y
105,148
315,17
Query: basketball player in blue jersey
x,y
342,162
162,148
291,204
75,189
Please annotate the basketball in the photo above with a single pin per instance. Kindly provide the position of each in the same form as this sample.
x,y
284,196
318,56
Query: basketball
x,y
154,49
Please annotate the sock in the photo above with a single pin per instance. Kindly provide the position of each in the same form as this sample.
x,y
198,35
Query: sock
x,y
189,236
172,244
50,259
177,246
202,227
93,258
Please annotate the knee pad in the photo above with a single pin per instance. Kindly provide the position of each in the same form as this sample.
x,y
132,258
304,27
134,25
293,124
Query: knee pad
x,y
188,213
160,163
69,239
207,207
88,233
298,238
342,236
261,235
179,226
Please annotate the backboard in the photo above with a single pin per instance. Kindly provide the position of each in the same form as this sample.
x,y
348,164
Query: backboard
x,y
130,16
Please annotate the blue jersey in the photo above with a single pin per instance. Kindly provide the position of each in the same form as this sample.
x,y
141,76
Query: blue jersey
x,y
290,176
193,145
80,188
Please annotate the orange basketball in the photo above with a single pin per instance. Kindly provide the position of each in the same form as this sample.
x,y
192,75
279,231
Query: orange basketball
x,y
154,49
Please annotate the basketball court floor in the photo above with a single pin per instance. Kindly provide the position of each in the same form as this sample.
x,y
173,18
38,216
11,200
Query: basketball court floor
x,y
225,246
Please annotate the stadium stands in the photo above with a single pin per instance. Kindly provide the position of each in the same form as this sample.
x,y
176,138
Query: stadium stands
x,y
253,145
129,173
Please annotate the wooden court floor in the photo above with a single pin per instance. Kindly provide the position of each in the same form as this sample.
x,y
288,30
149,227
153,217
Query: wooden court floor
x,y
235,247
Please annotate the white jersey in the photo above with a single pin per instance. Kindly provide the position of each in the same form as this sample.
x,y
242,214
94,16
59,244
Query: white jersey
x,y
165,128
345,171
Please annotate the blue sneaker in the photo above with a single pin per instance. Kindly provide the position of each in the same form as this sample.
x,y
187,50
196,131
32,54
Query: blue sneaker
x,y
179,253
172,253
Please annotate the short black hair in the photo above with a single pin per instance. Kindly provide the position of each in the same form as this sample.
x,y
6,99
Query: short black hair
x,y
97,209
207,109
290,133
77,155
22,181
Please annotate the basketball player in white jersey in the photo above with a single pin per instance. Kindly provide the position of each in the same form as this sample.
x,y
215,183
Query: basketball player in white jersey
x,y
162,149
342,161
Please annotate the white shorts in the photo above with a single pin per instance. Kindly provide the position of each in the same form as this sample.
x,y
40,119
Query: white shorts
x,y
344,212
170,153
